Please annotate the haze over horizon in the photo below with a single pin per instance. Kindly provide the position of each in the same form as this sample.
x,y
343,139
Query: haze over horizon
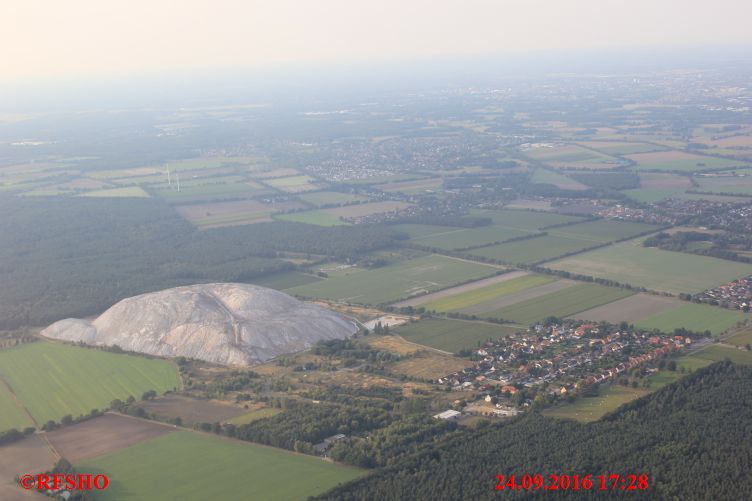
x,y
88,39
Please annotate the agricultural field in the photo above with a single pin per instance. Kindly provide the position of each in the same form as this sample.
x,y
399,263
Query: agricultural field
x,y
546,176
656,269
461,289
630,309
12,415
30,455
130,191
52,380
463,301
452,335
572,300
292,184
696,317
395,281
316,217
337,215
213,215
741,339
603,231
572,156
413,187
716,353
416,231
320,198
188,459
533,250
622,148
104,434
739,184
680,161
524,219
461,238
191,410
208,191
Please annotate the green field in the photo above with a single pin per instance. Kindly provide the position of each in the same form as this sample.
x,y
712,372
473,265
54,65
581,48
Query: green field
x,y
201,467
739,184
628,262
286,182
533,250
320,198
489,293
603,230
695,317
560,304
317,217
524,219
452,335
52,380
458,238
11,414
396,281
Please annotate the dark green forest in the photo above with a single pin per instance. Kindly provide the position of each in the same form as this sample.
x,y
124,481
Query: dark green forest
x,y
692,438
77,256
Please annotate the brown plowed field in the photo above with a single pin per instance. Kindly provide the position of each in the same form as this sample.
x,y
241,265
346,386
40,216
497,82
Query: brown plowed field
x,y
102,435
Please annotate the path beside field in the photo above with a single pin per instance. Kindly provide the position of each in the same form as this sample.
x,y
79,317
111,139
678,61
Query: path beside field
x,y
459,289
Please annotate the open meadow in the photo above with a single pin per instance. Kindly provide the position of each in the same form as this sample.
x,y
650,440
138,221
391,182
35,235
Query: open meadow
x,y
52,380
237,470
652,268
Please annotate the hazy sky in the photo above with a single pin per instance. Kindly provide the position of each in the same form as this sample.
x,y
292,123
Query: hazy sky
x,y
77,38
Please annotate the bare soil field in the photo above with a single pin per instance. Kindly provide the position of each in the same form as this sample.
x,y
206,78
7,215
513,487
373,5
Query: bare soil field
x,y
366,209
452,291
530,204
191,410
102,435
430,365
533,292
30,455
630,309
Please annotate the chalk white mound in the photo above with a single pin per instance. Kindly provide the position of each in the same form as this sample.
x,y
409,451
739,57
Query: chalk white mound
x,y
232,324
